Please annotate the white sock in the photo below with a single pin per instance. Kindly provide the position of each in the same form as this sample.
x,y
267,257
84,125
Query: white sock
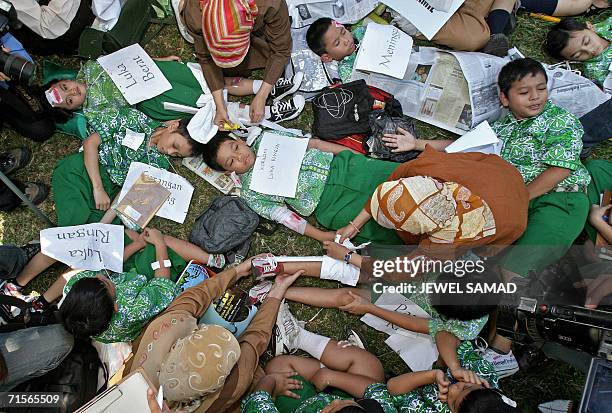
x,y
312,343
257,85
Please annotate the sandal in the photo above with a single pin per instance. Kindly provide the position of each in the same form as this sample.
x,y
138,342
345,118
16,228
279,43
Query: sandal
x,y
36,192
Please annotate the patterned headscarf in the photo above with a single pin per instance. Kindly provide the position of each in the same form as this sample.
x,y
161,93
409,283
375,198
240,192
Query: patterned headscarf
x,y
227,26
197,365
445,211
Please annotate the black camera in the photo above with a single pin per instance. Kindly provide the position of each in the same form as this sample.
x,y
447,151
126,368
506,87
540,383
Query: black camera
x,y
14,66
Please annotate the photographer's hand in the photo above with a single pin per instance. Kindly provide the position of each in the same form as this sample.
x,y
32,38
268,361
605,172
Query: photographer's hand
x,y
3,77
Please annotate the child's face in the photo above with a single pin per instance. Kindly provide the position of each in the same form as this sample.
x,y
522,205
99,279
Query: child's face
x,y
71,92
457,392
526,97
584,45
170,142
338,42
235,156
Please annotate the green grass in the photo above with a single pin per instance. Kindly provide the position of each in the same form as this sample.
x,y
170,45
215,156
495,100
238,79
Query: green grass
x,y
552,380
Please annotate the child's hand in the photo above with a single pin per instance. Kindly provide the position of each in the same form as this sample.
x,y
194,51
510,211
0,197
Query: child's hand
x,y
468,376
321,379
596,215
136,237
153,236
335,250
402,141
443,384
101,199
284,384
171,58
221,118
347,232
258,109
358,305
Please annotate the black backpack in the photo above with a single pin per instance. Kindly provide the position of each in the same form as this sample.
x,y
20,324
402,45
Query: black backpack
x,y
76,379
226,227
342,110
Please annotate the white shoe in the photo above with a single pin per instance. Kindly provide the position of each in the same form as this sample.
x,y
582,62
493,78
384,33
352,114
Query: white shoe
x,y
287,331
353,340
556,406
505,364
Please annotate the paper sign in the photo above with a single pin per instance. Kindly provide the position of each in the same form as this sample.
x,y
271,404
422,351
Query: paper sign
x,y
135,74
480,139
384,49
87,247
177,205
278,163
423,15
418,351
132,139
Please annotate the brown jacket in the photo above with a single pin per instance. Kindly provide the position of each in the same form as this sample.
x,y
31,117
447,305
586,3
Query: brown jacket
x,y
494,180
180,319
270,42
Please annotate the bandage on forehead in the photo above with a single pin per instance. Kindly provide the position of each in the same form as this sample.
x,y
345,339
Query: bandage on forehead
x,y
53,96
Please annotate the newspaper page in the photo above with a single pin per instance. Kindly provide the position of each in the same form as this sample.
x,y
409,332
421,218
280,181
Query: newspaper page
x,y
573,92
480,71
305,12
317,74
219,180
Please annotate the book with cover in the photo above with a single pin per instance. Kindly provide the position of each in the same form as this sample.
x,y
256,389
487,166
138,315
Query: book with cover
x,y
193,274
219,180
603,248
141,202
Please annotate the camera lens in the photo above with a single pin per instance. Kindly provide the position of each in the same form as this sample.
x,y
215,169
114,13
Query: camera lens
x,y
17,68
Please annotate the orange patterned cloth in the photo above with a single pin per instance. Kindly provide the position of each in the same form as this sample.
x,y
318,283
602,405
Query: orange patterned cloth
x,y
444,212
226,28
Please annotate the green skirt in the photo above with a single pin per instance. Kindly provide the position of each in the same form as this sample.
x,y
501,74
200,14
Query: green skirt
x,y
75,205
351,182
185,91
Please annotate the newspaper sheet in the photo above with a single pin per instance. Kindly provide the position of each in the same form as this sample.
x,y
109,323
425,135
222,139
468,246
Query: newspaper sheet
x,y
317,74
423,15
572,92
305,12
452,90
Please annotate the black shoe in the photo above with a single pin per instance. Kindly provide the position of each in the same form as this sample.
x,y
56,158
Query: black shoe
x,y
31,249
287,109
497,45
36,192
14,159
286,86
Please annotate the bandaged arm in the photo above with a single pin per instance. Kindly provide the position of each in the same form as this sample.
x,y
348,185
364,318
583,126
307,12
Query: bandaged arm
x,y
290,219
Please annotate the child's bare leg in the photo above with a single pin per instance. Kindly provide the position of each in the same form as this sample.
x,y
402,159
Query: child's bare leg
x,y
353,360
323,297
239,86
187,250
576,7
306,367
37,264
311,268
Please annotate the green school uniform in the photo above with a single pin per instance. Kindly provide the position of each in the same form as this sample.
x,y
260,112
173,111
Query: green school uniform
x,y
597,68
553,138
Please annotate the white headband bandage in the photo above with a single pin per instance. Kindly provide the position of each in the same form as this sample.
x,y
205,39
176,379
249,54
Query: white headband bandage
x,y
53,97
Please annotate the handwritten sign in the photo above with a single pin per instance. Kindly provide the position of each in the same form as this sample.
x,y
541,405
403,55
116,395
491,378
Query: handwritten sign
x,y
177,205
384,49
88,247
480,139
135,74
423,15
278,163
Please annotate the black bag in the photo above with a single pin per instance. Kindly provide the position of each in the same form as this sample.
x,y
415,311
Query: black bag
x,y
381,122
226,225
26,318
342,110
76,378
